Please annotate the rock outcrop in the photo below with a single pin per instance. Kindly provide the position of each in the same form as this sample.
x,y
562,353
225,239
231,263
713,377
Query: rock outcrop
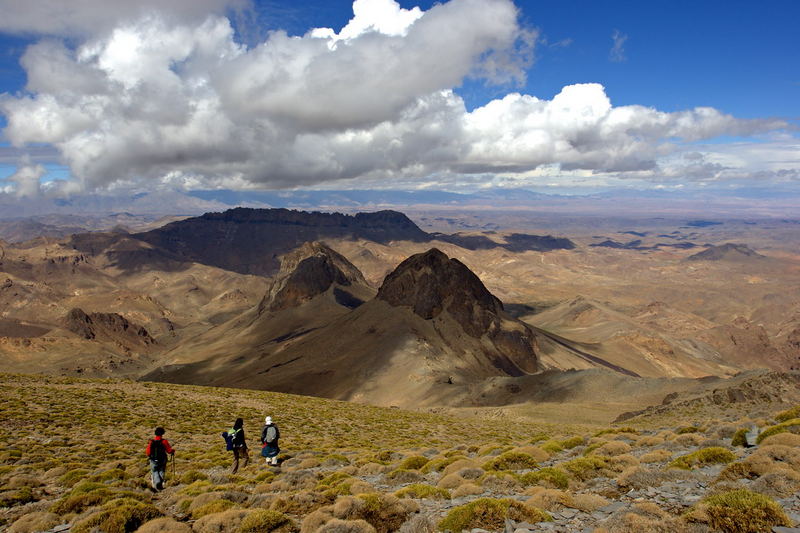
x,y
107,327
310,271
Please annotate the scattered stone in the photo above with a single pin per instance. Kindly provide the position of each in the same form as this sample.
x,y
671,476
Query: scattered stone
x,y
751,436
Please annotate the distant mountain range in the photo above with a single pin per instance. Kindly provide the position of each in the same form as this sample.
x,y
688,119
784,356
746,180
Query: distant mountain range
x,y
735,202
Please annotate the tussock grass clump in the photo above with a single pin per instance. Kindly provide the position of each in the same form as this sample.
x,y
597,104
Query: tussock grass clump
x,y
402,475
588,502
779,484
644,518
789,414
610,448
549,499
193,475
511,461
740,511
262,520
423,491
739,438
164,525
649,440
118,516
612,431
345,526
17,497
585,468
198,487
384,512
303,502
789,426
415,462
467,489
637,477
703,457
331,480
688,429
490,513
690,439
782,439
225,522
439,464
536,452
572,442
656,456
88,494
552,446
34,522
539,437
450,481
548,476
458,466
73,476
217,506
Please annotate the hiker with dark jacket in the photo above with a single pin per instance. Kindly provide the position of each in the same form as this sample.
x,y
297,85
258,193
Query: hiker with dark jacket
x,y
238,444
157,449
269,441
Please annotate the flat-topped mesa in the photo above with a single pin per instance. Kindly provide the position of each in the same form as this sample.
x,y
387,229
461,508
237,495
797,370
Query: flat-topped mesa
x,y
249,241
306,272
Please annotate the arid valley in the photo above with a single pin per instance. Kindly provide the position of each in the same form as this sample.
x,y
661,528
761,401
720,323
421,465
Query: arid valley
x,y
399,266
655,339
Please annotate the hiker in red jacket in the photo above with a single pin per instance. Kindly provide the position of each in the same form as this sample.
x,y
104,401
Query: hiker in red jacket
x,y
157,449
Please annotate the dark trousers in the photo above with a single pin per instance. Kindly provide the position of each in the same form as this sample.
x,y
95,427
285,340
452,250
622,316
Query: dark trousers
x,y
239,452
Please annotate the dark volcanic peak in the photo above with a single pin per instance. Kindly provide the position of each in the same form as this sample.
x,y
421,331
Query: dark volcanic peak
x,y
431,283
726,252
307,272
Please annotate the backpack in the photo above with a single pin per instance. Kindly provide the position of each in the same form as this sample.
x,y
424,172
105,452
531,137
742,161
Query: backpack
x,y
158,453
228,440
271,436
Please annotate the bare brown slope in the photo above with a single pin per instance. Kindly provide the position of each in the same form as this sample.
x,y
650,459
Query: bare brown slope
x,y
40,282
315,285
432,324
653,341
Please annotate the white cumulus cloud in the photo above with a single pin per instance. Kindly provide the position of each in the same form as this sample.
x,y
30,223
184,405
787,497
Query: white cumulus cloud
x,y
170,98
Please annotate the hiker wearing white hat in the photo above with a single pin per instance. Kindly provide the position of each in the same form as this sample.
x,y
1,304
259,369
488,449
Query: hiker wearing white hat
x,y
269,441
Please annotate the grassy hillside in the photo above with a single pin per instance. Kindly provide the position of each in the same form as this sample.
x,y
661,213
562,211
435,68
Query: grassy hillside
x,y
73,454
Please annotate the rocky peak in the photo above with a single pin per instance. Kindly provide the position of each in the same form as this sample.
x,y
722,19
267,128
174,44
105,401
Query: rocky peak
x,y
306,272
106,326
431,283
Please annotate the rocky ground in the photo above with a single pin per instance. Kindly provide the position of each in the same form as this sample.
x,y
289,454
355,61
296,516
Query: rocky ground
x,y
73,461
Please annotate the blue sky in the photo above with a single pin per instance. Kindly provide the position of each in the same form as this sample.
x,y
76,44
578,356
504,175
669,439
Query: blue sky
x,y
740,57
654,61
